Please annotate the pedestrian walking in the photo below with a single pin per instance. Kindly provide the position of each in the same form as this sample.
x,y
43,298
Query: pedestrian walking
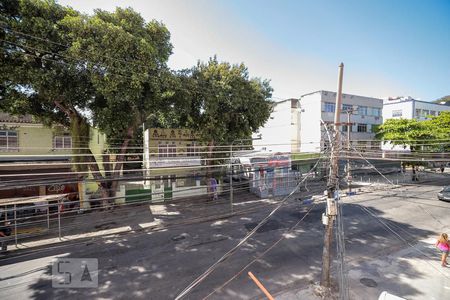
x,y
214,188
5,231
443,245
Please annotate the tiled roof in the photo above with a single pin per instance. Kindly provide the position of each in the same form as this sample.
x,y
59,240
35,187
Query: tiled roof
x,y
7,118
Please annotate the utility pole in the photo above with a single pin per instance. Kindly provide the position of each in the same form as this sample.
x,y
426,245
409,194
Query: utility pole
x,y
331,211
349,171
349,175
231,177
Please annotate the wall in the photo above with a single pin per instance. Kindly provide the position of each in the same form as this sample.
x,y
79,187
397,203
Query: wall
x,y
276,132
310,125
369,119
429,106
34,139
406,107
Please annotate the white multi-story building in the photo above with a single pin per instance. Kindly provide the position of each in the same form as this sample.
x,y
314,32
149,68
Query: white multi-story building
x,y
319,107
281,132
295,125
409,108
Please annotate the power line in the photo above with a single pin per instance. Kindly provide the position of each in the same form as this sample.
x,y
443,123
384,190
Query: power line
x,y
233,250
258,257
63,45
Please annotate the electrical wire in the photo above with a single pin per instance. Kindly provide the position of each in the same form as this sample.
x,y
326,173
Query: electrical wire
x,y
258,257
233,250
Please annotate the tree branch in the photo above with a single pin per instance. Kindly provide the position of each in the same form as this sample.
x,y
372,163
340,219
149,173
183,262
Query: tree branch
x,y
65,110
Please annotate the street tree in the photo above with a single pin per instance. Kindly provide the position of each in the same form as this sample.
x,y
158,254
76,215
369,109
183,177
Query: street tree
x,y
225,103
104,70
427,135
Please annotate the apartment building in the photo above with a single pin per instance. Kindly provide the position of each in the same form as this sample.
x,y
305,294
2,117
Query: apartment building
x,y
34,152
409,108
281,132
318,108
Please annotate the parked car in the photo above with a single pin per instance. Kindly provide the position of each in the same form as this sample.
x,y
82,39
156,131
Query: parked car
x,y
444,194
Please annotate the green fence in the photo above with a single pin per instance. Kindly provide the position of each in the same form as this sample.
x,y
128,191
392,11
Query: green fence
x,y
138,195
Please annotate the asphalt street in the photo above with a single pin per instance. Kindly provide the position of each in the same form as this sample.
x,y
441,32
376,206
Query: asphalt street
x,y
389,235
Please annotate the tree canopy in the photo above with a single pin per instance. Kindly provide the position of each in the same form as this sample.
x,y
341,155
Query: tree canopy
x,y
225,103
64,67
432,134
109,70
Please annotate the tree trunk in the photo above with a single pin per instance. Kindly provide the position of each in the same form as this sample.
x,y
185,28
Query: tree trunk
x,y
119,161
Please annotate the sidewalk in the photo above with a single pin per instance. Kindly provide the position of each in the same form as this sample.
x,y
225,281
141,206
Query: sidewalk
x,y
367,279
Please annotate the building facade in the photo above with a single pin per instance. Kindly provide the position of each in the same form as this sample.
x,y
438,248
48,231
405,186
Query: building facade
x,y
280,133
319,107
33,153
409,108
172,163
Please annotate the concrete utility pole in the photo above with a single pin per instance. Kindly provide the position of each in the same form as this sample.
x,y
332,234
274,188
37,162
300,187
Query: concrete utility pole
x,y
231,177
349,174
328,217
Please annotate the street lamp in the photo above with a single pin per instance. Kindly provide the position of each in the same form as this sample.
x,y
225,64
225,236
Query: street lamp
x,y
231,165
349,112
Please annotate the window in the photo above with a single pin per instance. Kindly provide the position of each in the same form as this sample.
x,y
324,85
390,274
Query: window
x,y
167,150
9,140
418,112
397,113
192,149
432,112
62,142
346,127
329,107
425,113
377,111
362,110
362,127
347,107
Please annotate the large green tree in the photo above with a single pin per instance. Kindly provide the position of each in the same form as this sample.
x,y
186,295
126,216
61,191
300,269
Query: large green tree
x,y
225,104
107,69
432,135
228,104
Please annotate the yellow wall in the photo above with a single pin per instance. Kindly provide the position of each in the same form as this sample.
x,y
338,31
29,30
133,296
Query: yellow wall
x,y
36,139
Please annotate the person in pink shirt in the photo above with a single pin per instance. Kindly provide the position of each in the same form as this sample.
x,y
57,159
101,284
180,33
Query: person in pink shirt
x,y
443,244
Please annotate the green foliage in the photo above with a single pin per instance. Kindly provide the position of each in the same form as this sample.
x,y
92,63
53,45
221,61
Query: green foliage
x,y
109,70
65,67
225,103
418,134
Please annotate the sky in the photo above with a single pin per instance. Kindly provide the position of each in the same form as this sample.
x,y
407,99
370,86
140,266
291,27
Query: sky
x,y
389,48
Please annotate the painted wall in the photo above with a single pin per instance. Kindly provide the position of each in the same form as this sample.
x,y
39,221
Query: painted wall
x,y
279,133
408,109
34,139
313,110
310,125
